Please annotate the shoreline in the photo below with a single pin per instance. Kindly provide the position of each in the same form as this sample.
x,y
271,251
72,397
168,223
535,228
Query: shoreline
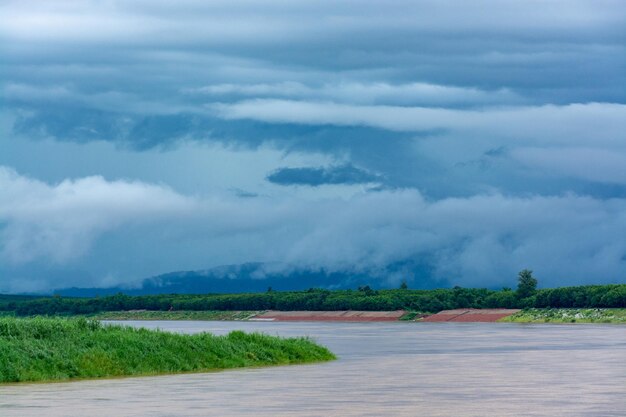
x,y
531,315
556,316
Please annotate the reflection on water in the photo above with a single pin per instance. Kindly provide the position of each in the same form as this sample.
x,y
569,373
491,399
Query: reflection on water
x,y
389,369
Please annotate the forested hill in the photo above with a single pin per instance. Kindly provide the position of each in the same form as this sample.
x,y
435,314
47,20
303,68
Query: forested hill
x,y
364,298
256,277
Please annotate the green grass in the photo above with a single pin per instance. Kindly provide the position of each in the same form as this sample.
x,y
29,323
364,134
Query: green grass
x,y
174,315
569,315
413,316
57,349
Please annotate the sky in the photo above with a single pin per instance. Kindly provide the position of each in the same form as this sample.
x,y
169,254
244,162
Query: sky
x,y
475,138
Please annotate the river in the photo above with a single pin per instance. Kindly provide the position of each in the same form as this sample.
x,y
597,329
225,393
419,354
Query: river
x,y
384,369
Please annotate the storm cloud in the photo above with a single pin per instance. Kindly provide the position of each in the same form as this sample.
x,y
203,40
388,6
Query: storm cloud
x,y
480,138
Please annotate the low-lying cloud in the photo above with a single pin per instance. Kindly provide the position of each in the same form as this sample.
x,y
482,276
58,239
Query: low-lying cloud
x,y
60,222
482,240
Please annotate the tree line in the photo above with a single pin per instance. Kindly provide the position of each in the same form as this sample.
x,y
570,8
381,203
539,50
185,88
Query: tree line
x,y
364,298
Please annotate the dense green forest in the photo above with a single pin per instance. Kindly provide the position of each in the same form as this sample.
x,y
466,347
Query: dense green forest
x,y
363,298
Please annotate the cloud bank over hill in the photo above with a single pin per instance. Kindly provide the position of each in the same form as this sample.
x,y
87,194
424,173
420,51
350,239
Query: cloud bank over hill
x,y
482,240
479,138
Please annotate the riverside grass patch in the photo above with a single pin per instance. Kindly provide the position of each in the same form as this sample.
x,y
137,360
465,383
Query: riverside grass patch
x,y
58,349
569,315
176,315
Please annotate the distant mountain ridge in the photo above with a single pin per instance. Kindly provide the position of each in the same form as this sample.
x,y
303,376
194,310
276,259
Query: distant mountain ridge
x,y
258,277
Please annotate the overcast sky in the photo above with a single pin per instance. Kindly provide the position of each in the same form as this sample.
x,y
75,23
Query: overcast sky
x,y
477,138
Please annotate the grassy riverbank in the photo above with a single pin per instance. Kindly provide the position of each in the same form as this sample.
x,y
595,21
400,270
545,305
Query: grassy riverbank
x,y
175,315
569,315
212,315
54,349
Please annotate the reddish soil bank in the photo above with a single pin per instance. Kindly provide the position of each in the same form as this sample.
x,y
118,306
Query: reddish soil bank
x,y
330,316
470,315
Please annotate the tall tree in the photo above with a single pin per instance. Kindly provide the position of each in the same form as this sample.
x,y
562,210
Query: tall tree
x,y
526,284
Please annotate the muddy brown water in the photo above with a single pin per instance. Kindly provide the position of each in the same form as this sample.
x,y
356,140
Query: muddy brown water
x,y
384,369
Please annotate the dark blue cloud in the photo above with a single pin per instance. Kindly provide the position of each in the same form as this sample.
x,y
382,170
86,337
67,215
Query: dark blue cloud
x,y
343,174
71,124
396,156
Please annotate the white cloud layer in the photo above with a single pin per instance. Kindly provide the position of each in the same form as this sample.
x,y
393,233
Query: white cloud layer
x,y
600,122
242,20
367,93
585,142
61,221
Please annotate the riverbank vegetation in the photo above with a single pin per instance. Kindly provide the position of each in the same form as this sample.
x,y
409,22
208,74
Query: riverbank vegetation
x,y
569,315
174,315
364,298
594,296
54,349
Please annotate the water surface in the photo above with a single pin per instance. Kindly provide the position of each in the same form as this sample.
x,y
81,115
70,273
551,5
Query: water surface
x,y
384,369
